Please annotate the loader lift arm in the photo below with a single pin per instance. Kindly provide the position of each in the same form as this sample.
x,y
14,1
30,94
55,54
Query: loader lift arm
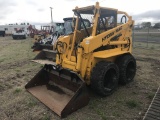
x,y
107,38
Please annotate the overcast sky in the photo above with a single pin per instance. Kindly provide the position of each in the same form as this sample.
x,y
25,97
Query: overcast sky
x,y
38,11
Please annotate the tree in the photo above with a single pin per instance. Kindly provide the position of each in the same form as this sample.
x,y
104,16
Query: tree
x,y
157,25
146,24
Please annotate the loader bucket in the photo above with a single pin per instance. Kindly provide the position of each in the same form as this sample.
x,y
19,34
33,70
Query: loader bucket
x,y
39,47
45,57
63,92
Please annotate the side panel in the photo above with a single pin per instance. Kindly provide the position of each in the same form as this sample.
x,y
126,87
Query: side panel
x,y
107,55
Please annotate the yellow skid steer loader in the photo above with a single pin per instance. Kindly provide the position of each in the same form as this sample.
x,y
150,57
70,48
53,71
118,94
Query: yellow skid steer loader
x,y
96,53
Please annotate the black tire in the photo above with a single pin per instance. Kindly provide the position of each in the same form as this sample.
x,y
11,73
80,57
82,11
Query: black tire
x,y
104,78
127,68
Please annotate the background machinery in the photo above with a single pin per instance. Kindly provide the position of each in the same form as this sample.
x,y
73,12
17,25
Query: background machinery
x,y
20,34
46,36
98,55
61,29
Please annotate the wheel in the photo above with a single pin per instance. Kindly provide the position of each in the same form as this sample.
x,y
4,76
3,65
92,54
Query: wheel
x,y
104,78
127,68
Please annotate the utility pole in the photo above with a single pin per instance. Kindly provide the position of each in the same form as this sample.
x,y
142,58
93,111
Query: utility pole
x,y
53,26
51,15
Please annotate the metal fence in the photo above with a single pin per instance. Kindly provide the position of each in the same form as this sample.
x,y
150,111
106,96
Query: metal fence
x,y
148,38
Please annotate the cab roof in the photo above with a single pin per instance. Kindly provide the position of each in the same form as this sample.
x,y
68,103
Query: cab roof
x,y
90,10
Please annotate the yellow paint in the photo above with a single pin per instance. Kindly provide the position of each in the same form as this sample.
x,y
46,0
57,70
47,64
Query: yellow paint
x,y
86,54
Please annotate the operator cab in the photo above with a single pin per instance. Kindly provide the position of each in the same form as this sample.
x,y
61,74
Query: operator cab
x,y
69,24
107,18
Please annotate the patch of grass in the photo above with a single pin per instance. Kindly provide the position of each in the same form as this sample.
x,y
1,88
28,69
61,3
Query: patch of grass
x,y
46,117
17,90
102,114
2,59
154,90
92,104
134,92
33,64
150,96
76,119
120,101
1,86
152,47
104,117
31,102
116,114
17,70
41,66
132,104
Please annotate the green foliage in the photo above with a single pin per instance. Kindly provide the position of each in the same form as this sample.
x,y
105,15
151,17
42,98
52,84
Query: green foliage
x,y
132,104
31,102
152,47
46,117
150,95
17,90
116,114
102,114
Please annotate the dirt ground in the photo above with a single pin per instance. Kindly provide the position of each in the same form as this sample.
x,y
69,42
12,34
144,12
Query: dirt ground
x,y
129,102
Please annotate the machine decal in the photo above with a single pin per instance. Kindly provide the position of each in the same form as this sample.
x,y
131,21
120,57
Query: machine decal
x,y
111,34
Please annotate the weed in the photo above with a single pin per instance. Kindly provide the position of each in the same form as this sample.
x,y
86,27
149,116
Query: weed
x,y
102,114
92,104
134,92
104,117
152,47
41,66
132,104
2,60
150,96
46,117
17,70
33,64
17,90
119,101
1,87
31,102
116,114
